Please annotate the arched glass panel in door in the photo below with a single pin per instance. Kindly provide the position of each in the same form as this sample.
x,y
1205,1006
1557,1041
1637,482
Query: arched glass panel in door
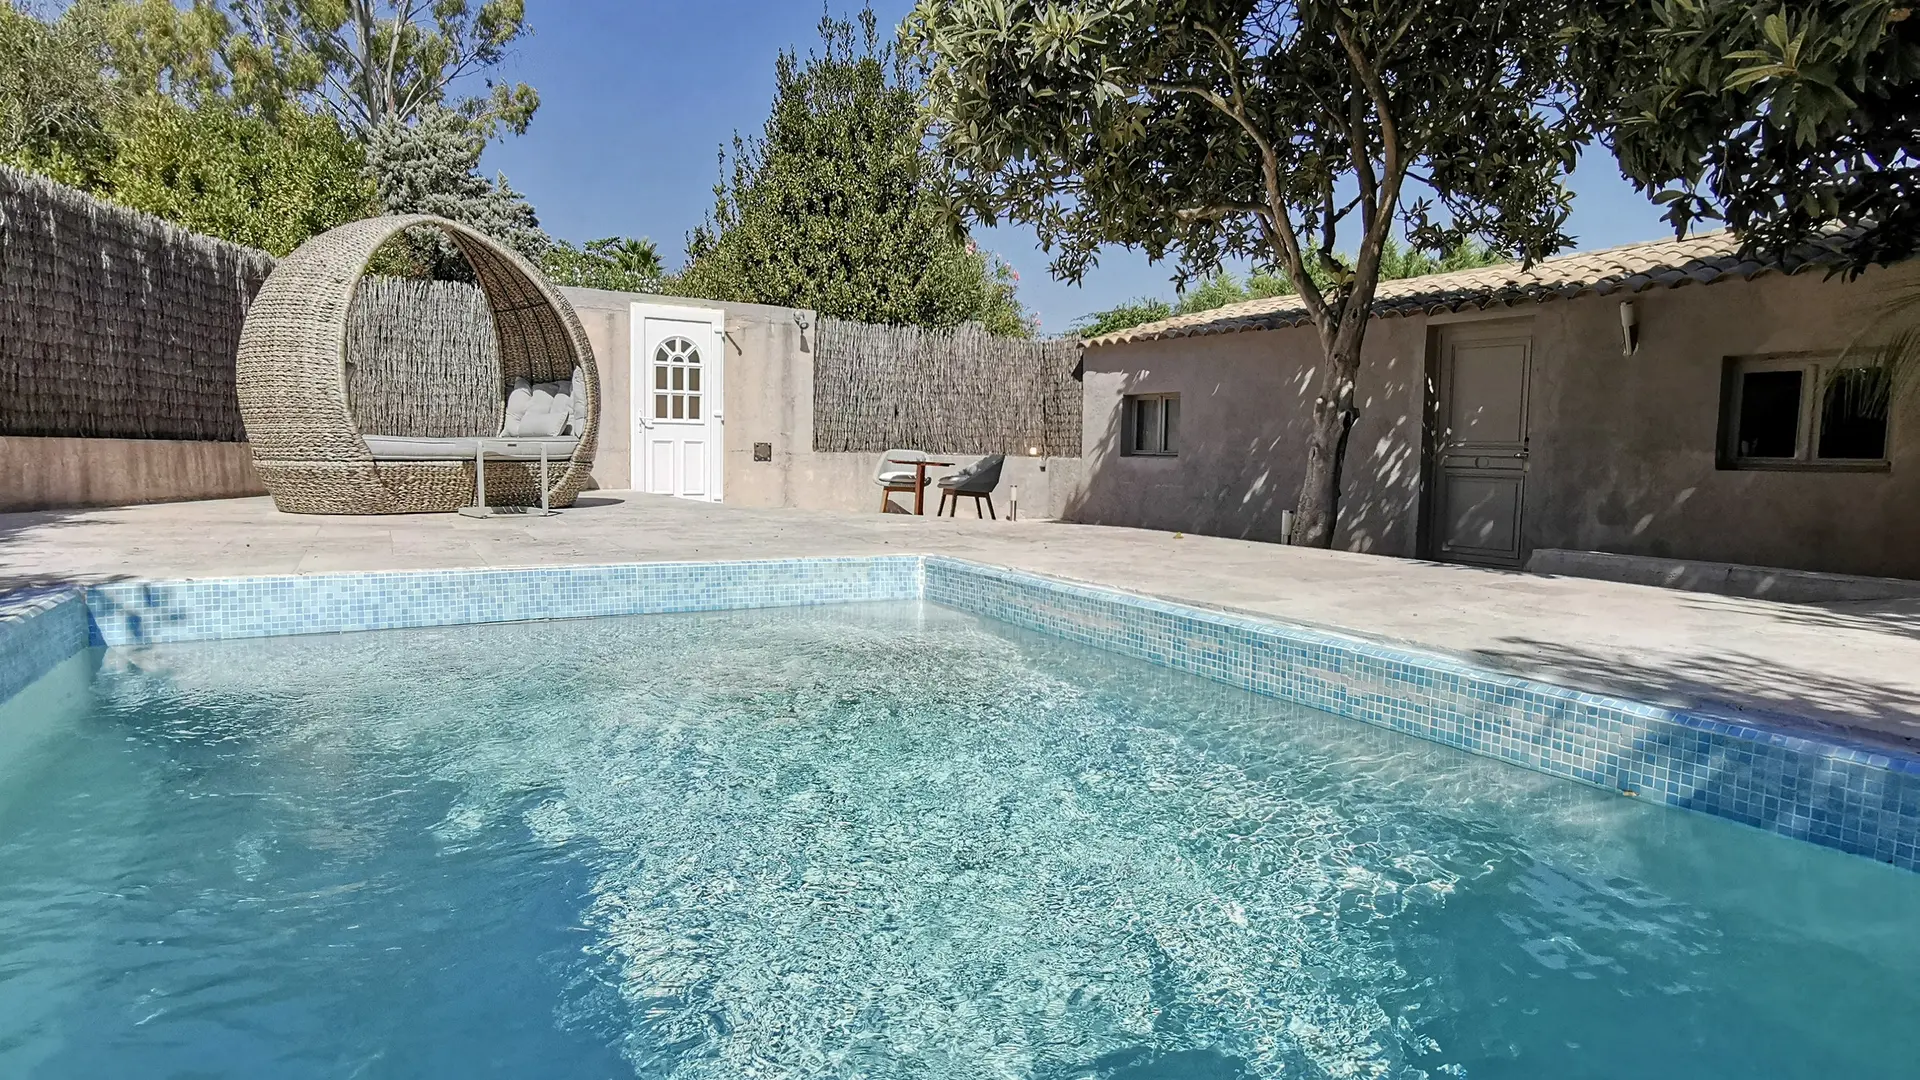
x,y
676,380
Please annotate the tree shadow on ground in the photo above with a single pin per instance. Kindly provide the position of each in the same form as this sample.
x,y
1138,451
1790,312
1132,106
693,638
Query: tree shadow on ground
x,y
1898,616
1715,681
41,526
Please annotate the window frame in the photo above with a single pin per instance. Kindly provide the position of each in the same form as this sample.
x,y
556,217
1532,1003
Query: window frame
x,y
1815,369
1168,433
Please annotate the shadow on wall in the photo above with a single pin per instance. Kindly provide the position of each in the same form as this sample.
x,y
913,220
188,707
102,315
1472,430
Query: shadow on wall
x,y
1246,402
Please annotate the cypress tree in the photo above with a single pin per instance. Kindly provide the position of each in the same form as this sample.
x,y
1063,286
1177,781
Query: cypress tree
x,y
837,206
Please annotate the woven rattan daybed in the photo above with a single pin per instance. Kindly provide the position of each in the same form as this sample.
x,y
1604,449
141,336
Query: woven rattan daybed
x,y
293,387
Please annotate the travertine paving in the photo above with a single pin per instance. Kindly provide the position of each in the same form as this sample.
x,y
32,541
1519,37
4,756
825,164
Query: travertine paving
x,y
1850,665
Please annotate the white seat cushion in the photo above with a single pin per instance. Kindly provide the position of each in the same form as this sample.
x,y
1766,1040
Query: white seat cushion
x,y
408,448
894,479
559,448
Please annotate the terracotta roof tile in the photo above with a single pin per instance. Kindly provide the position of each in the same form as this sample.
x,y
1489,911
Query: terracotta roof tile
x,y
1660,264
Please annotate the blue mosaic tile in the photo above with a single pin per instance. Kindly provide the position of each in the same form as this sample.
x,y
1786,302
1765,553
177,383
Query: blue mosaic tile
x,y
37,631
1859,798
1856,797
152,612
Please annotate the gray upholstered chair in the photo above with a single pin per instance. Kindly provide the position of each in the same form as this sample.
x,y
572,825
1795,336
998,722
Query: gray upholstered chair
x,y
892,476
977,482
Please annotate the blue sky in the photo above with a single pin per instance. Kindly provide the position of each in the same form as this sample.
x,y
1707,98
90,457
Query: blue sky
x,y
637,97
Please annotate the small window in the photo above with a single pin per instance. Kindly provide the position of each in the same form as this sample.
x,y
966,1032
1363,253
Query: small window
x,y
1152,425
1796,412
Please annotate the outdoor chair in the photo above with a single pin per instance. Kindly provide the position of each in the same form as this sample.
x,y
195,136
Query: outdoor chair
x,y
892,476
977,482
308,448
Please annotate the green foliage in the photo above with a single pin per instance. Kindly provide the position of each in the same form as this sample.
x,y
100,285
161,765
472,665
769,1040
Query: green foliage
x,y
1221,288
1784,120
1218,129
54,104
620,263
156,47
1207,130
129,100
835,207
370,62
1133,313
217,171
432,167
266,121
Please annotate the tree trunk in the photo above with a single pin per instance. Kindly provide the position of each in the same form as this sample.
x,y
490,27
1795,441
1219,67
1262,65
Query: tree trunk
x,y
1333,416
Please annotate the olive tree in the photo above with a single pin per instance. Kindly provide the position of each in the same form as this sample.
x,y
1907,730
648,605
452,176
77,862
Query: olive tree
x,y
1274,129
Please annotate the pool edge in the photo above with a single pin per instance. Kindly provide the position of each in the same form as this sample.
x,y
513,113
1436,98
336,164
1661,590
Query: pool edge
x,y
1852,796
39,628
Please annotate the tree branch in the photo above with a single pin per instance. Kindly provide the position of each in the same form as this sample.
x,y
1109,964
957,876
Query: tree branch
x,y
393,61
1362,158
1366,275
1218,211
1370,80
1275,224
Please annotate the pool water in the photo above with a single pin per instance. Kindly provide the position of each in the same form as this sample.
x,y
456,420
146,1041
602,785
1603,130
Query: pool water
x,y
879,841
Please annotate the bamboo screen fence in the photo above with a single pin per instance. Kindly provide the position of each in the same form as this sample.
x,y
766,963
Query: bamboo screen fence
x,y
422,359
959,391
114,323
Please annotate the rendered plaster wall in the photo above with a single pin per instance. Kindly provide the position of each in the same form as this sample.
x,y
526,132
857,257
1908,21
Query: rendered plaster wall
x,y
51,473
1245,404
1623,447
768,399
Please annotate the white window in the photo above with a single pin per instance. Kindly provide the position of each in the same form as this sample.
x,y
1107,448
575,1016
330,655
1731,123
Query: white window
x,y
676,380
1152,425
1803,412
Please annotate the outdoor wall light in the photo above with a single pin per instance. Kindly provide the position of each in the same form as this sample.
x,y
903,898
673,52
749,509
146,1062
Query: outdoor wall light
x,y
1629,328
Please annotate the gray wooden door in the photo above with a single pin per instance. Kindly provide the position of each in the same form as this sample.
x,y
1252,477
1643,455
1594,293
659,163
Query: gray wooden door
x,y
1480,466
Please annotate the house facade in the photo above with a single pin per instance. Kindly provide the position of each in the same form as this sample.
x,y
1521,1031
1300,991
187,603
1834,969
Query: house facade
x,y
1665,399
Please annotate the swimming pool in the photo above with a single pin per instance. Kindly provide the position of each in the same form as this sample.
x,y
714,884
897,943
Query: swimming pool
x,y
881,840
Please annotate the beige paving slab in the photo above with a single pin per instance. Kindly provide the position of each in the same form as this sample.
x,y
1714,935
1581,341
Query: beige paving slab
x,y
1848,665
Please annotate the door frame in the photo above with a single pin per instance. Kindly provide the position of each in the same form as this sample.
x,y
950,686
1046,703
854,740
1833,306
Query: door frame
x,y
640,397
1483,327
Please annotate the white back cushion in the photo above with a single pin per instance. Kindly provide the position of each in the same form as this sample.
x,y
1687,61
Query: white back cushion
x,y
539,410
577,415
518,400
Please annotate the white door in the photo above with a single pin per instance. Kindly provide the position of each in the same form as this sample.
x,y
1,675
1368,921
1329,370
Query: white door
x,y
678,356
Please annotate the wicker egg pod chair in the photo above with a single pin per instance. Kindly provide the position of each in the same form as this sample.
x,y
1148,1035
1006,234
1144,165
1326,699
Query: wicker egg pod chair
x,y
292,382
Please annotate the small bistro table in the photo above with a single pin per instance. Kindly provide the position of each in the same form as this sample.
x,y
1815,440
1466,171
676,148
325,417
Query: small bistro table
x,y
919,480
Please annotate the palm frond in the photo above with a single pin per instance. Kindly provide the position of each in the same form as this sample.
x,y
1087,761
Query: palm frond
x,y
1872,376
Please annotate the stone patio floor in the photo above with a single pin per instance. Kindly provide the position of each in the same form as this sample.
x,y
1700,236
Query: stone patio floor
x,y
1854,666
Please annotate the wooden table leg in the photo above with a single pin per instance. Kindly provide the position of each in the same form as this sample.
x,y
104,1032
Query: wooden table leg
x,y
920,488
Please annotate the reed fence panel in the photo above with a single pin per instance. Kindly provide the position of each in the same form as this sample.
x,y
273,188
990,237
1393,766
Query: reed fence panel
x,y
958,391
422,359
114,323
